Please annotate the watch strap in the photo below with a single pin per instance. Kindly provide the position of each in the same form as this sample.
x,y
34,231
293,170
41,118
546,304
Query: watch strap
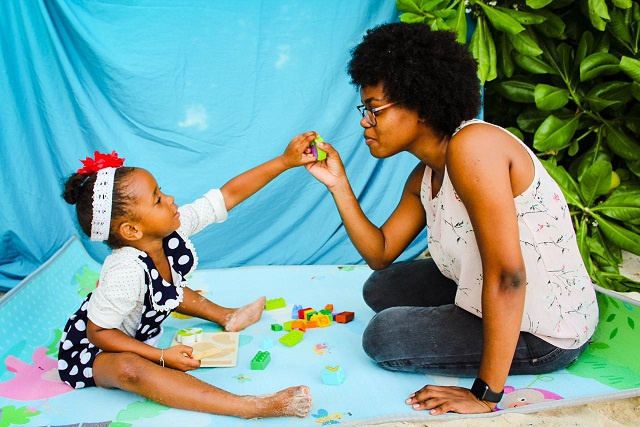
x,y
481,391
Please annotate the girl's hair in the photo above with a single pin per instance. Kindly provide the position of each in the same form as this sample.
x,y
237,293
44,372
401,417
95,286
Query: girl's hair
x,y
78,190
422,70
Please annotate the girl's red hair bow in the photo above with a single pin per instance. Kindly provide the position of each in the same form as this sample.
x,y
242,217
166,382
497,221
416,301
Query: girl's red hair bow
x,y
100,161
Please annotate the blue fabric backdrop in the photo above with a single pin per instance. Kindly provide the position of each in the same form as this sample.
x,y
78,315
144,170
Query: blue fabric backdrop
x,y
195,91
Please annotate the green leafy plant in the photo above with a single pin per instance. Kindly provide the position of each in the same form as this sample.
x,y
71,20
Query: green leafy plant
x,y
564,76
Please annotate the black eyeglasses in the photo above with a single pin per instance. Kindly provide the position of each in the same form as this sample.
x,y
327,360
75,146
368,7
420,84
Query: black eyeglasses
x,y
369,114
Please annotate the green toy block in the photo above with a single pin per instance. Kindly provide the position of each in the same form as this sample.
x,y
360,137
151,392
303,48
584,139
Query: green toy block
x,y
292,338
272,304
276,327
317,151
308,314
287,325
260,360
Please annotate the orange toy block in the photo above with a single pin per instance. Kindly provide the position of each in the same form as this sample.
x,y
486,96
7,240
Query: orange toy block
x,y
345,317
329,307
299,324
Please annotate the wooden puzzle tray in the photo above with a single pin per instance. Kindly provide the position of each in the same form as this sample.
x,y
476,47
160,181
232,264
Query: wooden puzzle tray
x,y
227,342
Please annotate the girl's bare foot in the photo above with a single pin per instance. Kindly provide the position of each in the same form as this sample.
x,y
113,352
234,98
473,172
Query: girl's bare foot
x,y
242,317
290,402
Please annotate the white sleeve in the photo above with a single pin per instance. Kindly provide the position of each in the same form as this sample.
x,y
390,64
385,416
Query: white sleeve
x,y
202,212
119,291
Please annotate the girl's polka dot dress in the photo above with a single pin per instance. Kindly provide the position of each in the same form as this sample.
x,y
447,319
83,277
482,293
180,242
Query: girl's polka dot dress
x,y
76,353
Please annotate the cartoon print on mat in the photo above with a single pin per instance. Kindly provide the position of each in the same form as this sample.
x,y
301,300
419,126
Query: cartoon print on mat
x,y
514,398
322,348
33,382
87,281
324,418
242,378
10,415
612,357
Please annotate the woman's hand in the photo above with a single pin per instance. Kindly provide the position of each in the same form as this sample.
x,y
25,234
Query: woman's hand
x,y
179,357
298,152
330,171
440,400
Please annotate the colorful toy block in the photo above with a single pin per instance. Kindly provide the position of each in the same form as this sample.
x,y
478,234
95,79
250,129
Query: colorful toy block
x,y
272,304
333,375
189,336
319,153
266,343
328,307
309,313
206,353
294,312
326,313
345,317
292,338
312,324
276,327
287,325
260,361
301,312
299,324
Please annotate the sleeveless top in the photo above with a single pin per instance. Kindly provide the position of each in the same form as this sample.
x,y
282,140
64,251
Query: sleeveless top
x,y
560,303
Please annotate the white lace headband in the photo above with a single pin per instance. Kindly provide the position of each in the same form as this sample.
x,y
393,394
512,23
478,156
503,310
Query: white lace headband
x,y
102,199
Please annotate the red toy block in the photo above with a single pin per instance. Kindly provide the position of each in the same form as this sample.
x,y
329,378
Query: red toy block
x,y
345,317
301,312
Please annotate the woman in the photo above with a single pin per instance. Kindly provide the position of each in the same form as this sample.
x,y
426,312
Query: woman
x,y
506,291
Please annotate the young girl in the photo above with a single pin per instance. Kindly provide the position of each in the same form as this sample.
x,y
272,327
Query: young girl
x,y
110,341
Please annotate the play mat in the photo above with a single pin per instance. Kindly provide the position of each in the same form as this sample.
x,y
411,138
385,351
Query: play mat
x,y
33,313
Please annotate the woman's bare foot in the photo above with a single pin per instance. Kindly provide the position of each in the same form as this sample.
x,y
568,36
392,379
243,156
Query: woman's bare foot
x,y
242,317
290,402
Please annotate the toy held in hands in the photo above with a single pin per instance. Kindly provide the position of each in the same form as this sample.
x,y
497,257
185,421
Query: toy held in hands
x,y
319,153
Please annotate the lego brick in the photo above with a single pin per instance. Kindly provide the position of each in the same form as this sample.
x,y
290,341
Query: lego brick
x,y
260,360
272,304
292,338
345,317
276,327
294,311
333,375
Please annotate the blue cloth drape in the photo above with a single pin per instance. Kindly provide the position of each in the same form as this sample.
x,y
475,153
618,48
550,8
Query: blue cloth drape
x,y
196,92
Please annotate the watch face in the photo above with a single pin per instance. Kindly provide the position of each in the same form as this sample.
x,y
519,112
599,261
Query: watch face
x,y
481,391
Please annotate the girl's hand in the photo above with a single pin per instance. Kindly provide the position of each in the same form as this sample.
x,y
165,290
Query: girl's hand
x,y
330,171
179,357
298,152
440,400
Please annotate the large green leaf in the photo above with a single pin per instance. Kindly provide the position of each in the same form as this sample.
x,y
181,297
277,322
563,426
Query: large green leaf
x,y
538,4
620,143
567,184
623,238
480,50
634,166
531,118
516,90
460,25
609,93
635,89
523,43
524,18
550,97
493,57
410,6
622,4
618,27
598,64
553,26
504,56
596,181
584,49
554,134
581,238
624,206
411,18
533,64
598,14
500,20
631,67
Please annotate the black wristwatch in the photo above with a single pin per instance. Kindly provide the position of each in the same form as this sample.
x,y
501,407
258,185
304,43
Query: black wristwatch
x,y
481,390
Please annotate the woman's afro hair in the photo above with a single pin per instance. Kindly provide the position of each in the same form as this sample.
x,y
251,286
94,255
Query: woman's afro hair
x,y
422,70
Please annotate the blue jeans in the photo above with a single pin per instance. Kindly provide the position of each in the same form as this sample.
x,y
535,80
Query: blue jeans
x,y
418,328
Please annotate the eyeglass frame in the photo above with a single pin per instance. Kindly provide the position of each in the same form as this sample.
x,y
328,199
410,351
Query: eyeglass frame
x,y
362,109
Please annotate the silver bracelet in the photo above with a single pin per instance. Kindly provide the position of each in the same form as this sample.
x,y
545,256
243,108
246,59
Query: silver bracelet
x,y
162,356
